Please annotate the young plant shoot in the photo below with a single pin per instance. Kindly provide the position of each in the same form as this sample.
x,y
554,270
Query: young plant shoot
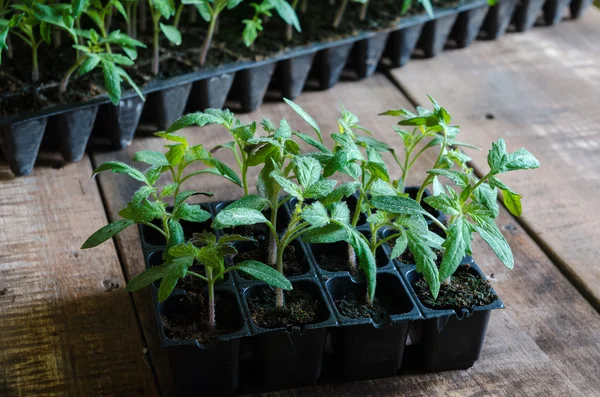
x,y
470,203
160,9
206,250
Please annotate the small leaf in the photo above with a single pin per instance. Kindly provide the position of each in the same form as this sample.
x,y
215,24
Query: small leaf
x,y
512,201
171,33
455,247
488,230
286,184
444,203
167,285
121,168
169,190
306,117
399,246
192,213
106,232
251,201
265,273
320,189
312,142
316,215
151,157
307,169
238,216
148,277
397,205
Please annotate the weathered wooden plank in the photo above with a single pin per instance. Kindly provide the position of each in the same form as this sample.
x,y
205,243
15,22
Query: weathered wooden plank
x,y
67,328
545,342
540,91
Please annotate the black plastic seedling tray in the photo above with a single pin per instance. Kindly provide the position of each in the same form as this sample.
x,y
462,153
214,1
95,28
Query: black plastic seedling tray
x,y
167,100
334,348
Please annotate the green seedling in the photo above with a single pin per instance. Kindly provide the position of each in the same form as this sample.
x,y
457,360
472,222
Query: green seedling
x,y
149,204
206,250
94,56
470,203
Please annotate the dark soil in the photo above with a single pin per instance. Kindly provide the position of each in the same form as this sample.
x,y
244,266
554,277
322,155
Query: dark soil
x,y
355,307
18,95
467,289
258,232
334,261
300,309
292,266
189,320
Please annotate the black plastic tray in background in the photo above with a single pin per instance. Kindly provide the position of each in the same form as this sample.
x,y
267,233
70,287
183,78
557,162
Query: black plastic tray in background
x,y
167,99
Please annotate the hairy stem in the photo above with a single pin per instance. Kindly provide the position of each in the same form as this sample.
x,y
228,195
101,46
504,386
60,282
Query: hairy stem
x,y
178,15
208,39
340,14
65,80
352,260
289,34
429,178
278,291
212,320
35,73
363,11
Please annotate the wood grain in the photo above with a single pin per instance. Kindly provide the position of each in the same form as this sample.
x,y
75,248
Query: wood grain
x,y
67,328
540,91
545,342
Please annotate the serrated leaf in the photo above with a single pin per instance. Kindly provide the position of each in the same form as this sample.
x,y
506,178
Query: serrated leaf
x,y
151,157
169,189
400,246
488,230
340,212
192,213
457,177
488,197
264,273
174,267
382,188
316,215
182,250
512,201
307,170
106,232
425,261
312,142
397,205
167,285
438,188
121,168
174,137
251,201
142,193
444,203
320,189
455,247
343,191
286,184
376,165
238,216
306,117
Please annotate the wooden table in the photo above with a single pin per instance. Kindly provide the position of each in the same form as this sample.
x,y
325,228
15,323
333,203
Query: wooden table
x,y
67,328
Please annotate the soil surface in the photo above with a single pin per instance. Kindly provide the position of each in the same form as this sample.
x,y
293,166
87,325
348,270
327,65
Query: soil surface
x,y
188,321
19,95
352,306
300,308
466,290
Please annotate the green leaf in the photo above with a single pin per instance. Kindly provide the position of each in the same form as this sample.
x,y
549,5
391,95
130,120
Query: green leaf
x,y
173,137
438,188
488,230
192,213
120,168
106,232
183,250
340,212
286,184
312,142
251,201
366,260
286,12
382,188
148,277
376,165
316,215
142,193
397,205
332,233
176,235
265,273
457,177
224,170
444,203
112,81
142,211
169,189
425,261
238,216
151,157
320,189
175,154
167,285
512,201
455,247
89,64
166,8
399,246
500,160
306,117
261,155
307,169
171,33
488,197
